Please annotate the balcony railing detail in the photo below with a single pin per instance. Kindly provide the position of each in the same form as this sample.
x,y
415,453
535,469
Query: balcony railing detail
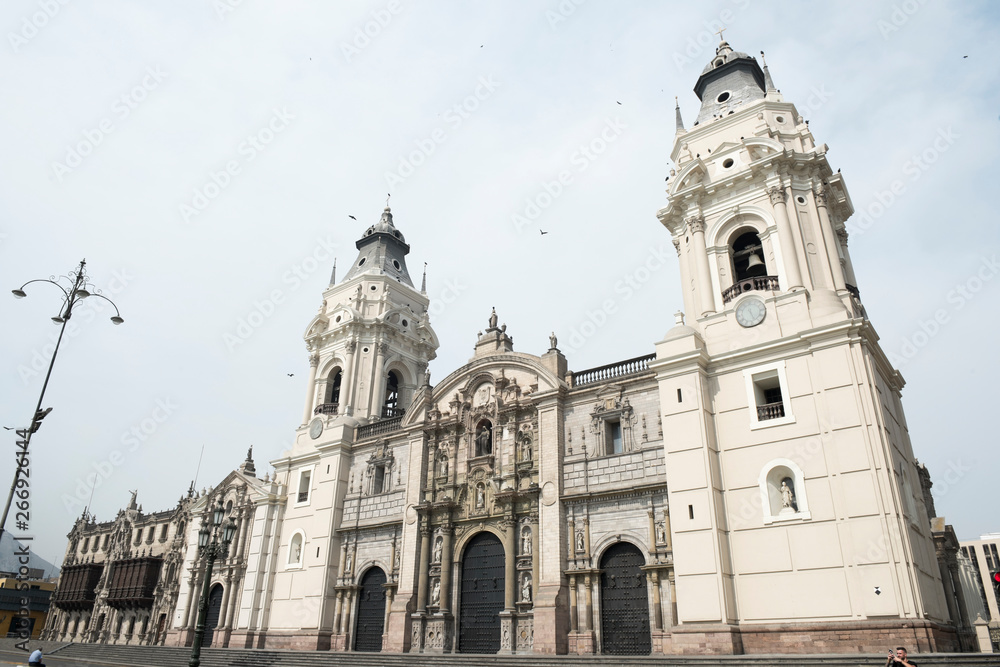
x,y
380,427
326,409
758,284
77,585
770,411
389,413
613,371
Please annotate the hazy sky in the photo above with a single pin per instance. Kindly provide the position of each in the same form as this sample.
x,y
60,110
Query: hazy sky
x,y
204,158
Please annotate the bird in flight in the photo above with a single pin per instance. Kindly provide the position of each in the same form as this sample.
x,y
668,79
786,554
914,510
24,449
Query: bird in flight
x,y
542,233
619,103
351,217
291,375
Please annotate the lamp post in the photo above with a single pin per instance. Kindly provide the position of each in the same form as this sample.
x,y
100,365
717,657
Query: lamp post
x,y
79,288
213,543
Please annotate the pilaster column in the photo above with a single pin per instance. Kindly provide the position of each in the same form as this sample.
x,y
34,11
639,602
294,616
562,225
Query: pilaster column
x,y
347,380
586,536
224,609
793,275
829,239
573,611
654,578
445,605
310,388
588,617
192,609
848,265
425,556
652,530
510,562
666,527
378,382
672,598
339,609
706,297
682,259
535,573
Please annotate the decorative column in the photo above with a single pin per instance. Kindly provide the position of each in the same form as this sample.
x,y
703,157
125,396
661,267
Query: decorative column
x,y
445,604
672,597
588,618
224,610
682,259
310,388
666,527
534,558
848,266
346,380
378,382
652,530
425,553
586,536
510,562
793,275
654,578
706,298
573,611
339,609
829,238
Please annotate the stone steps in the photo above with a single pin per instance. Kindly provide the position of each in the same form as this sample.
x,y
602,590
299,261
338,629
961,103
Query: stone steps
x,y
169,656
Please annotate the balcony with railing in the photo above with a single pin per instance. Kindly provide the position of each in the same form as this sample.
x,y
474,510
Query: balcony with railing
x,y
133,582
756,284
380,427
613,371
389,412
326,409
77,587
770,411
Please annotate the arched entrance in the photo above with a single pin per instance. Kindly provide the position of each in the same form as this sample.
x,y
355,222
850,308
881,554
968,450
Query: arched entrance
x,y
212,616
624,602
482,595
371,611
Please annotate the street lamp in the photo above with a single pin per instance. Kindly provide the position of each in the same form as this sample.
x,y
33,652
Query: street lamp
x,y
79,288
213,543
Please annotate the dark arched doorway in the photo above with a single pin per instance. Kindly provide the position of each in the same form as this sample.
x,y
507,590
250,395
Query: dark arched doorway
x,y
482,595
624,602
371,612
212,616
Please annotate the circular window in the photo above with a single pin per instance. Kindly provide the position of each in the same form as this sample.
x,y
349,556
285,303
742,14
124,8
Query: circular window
x,y
728,163
395,264
800,199
722,97
396,233
374,288
779,119
405,323
365,350
361,262
338,318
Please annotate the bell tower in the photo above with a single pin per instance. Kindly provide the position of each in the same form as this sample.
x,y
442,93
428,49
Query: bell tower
x,y
789,464
372,339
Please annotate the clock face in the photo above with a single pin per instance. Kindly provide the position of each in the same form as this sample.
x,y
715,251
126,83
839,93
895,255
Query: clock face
x,y
750,312
315,428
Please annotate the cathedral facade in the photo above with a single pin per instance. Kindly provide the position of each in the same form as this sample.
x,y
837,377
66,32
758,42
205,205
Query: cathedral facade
x,y
747,487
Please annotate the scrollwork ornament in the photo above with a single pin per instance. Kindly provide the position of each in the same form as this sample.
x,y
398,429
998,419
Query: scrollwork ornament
x,y
696,223
777,195
822,193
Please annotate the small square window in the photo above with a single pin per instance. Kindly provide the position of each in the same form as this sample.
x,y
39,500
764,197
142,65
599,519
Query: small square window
x,y
378,484
304,479
767,393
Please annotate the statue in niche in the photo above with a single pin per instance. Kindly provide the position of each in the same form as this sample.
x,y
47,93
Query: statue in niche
x,y
661,533
526,447
436,592
526,588
484,439
395,561
787,496
438,546
444,466
297,554
580,546
480,497
350,563
526,541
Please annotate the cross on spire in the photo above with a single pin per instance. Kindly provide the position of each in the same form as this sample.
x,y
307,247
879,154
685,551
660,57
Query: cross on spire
x,y
719,33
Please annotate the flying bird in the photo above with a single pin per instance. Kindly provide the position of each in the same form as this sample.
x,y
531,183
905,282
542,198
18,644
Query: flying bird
x,y
542,233
351,217
8,428
291,375
965,56
619,103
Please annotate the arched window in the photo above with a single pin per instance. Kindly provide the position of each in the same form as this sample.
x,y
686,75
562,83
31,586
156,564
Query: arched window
x,y
748,256
390,407
333,386
783,492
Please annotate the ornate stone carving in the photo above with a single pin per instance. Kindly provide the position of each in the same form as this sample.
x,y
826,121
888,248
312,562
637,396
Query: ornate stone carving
x,y
696,223
313,360
525,640
351,346
777,195
822,193
677,246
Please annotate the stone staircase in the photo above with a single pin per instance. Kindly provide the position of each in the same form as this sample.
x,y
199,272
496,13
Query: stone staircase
x,y
169,656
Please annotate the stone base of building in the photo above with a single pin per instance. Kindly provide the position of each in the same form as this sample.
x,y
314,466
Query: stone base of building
x,y
299,641
581,643
661,642
705,639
